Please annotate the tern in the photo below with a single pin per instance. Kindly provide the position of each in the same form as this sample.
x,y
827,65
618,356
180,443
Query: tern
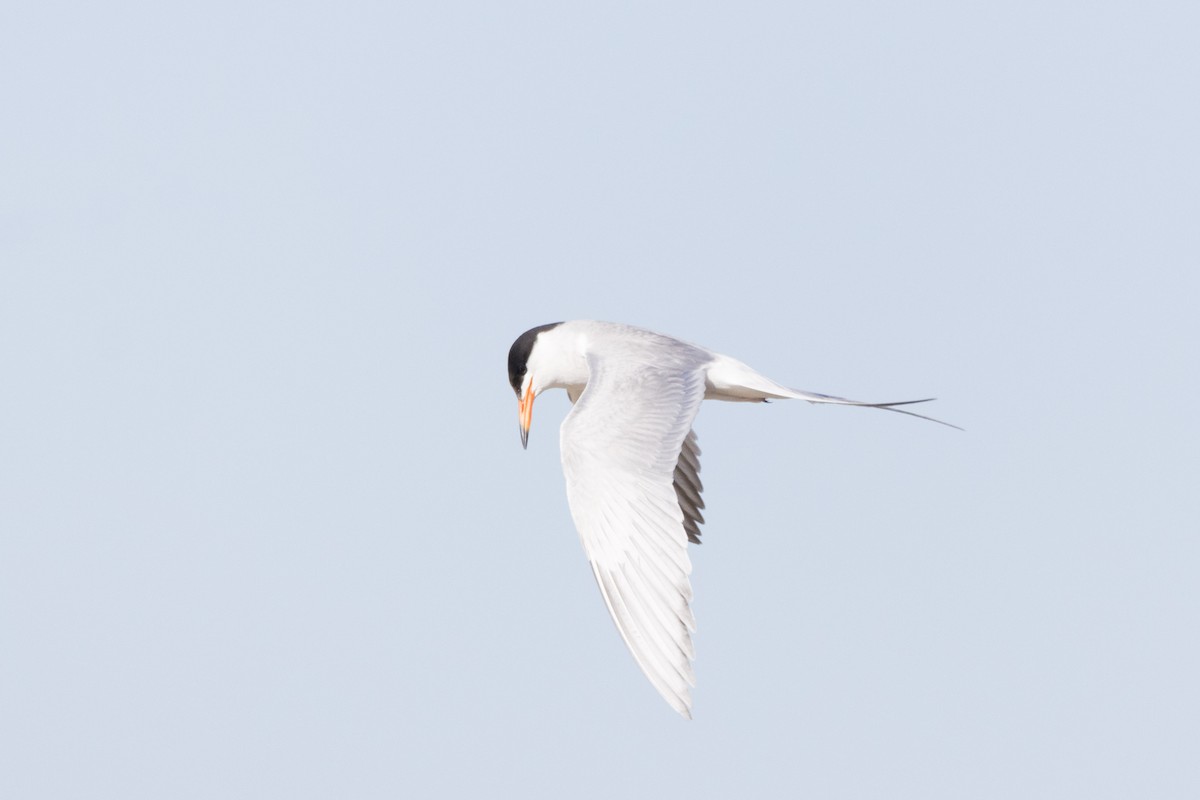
x,y
632,468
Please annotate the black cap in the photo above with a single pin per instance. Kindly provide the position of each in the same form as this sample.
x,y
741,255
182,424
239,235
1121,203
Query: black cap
x,y
518,354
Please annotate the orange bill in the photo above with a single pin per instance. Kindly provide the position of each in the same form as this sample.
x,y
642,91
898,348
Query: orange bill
x,y
525,406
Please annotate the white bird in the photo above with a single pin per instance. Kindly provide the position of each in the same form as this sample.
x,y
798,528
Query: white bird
x,y
632,466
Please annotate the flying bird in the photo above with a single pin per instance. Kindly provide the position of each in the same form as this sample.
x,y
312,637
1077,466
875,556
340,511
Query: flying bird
x,y
632,468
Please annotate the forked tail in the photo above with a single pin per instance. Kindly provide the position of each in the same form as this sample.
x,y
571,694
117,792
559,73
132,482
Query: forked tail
x,y
730,379
814,397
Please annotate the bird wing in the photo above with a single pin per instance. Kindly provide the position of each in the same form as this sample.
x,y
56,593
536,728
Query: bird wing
x,y
621,449
688,487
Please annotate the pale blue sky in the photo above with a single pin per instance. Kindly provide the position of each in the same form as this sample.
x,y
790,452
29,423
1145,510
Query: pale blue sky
x,y
266,527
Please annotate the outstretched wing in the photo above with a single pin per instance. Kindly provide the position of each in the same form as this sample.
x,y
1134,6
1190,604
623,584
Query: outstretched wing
x,y
621,446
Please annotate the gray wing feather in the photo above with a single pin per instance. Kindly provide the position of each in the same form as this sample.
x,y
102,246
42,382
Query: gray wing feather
x,y
688,487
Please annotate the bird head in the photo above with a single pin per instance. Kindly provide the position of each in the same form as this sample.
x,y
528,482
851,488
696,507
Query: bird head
x,y
524,358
